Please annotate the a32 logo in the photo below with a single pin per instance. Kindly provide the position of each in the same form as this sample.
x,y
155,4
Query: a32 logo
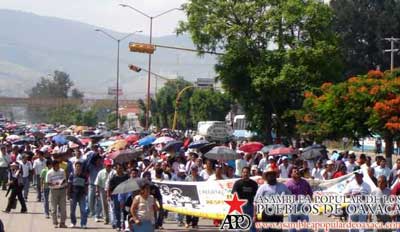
x,y
236,219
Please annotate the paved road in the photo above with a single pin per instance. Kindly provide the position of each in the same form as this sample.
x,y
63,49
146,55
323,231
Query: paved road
x,y
35,220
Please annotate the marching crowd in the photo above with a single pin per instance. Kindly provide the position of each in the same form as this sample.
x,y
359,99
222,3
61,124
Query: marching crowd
x,y
84,176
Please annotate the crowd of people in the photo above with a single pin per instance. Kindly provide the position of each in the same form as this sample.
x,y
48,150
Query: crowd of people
x,y
86,177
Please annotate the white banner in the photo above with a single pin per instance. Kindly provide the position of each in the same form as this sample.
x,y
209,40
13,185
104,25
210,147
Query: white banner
x,y
207,199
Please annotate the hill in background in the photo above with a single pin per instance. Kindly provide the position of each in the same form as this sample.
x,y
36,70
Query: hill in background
x,y
32,46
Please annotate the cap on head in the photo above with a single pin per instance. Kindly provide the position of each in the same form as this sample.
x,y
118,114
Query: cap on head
x,y
108,162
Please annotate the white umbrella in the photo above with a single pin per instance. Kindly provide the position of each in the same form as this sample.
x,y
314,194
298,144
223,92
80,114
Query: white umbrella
x,y
222,153
50,135
13,138
130,185
163,139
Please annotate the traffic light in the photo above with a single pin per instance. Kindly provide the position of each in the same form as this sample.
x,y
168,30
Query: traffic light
x,y
142,48
134,68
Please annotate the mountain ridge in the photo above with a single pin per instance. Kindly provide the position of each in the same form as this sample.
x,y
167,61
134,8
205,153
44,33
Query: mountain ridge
x,y
33,46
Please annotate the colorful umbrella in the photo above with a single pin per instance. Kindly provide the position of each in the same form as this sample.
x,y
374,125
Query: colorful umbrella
x,y
222,153
85,141
268,148
118,145
107,143
13,138
130,185
206,148
132,138
198,144
313,152
175,144
282,151
124,156
163,139
60,139
148,140
251,147
74,140
49,135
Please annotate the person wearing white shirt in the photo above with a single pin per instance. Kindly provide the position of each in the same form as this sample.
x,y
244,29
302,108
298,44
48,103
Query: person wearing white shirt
x,y
284,167
316,172
191,161
4,164
38,165
239,165
208,171
382,170
327,173
218,175
357,187
351,164
262,165
77,158
26,167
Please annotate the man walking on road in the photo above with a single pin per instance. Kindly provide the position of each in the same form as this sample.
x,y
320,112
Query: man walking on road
x,y
38,165
77,190
57,182
246,188
100,183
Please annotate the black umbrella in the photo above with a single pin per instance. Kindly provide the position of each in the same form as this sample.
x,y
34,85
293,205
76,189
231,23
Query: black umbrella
x,y
175,144
74,140
125,156
96,138
198,144
206,148
313,152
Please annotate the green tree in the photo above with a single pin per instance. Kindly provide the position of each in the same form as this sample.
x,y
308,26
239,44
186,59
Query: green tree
x,y
362,25
209,105
165,105
274,50
111,121
153,110
76,94
361,106
57,87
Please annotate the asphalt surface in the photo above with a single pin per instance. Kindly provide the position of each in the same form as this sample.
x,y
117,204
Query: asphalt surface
x,y
35,221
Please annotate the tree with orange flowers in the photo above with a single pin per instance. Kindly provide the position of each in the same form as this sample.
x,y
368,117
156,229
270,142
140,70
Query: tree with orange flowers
x,y
361,106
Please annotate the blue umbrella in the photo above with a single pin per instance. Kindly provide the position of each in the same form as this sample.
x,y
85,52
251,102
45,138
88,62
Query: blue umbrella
x,y
60,139
148,140
198,144
173,144
106,143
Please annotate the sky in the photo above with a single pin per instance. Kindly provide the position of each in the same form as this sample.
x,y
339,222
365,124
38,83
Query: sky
x,y
107,13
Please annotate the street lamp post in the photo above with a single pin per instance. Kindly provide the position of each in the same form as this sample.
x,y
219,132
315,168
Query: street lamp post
x,y
117,91
177,102
150,41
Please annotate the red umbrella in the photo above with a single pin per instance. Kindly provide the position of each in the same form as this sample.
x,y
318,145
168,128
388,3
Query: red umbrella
x,y
251,147
85,141
282,151
132,138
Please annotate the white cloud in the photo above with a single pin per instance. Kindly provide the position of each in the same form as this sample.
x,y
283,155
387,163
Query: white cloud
x,y
106,13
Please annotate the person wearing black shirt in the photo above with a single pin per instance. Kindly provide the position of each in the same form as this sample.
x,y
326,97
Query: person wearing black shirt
x,y
77,191
117,179
246,188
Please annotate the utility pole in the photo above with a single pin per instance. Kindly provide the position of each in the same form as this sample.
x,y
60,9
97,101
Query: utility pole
x,y
392,50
